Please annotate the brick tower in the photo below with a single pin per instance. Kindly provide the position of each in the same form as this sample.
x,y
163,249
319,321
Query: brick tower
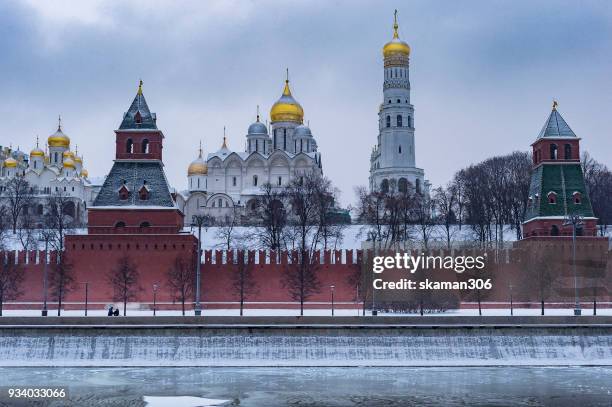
x,y
557,183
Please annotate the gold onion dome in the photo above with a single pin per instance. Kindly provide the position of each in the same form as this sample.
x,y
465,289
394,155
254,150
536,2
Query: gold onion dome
x,y
59,139
198,166
37,152
68,154
68,163
287,109
84,173
78,159
396,46
10,162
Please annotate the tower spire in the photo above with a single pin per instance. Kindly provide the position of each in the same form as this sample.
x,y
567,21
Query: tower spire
x,y
258,113
140,87
287,91
555,104
37,141
395,26
224,139
200,155
59,122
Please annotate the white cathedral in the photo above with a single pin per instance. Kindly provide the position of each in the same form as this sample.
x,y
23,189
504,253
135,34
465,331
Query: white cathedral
x,y
392,163
227,181
59,170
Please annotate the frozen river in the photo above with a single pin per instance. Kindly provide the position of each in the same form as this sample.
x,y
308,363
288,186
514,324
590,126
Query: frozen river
x,y
318,387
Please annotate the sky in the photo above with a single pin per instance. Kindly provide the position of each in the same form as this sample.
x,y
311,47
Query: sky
x,y
483,75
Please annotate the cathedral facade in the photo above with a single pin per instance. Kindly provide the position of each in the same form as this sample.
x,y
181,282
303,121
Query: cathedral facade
x,y
226,183
392,163
54,170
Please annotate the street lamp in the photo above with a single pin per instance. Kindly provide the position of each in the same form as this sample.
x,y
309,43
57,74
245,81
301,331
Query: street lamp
x,y
86,295
155,286
199,221
511,305
45,238
575,220
332,287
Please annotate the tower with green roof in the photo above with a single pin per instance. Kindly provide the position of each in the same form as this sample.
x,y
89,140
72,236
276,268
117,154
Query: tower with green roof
x,y
557,183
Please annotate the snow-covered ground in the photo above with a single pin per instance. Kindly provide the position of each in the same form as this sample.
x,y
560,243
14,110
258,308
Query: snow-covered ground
x,y
316,312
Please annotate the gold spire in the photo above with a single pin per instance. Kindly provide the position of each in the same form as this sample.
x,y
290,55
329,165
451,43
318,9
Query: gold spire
x,y
200,155
287,91
555,104
59,122
37,141
140,87
37,152
395,26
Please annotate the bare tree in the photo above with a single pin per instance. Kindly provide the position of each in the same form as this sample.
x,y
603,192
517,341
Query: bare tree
x,y
57,222
27,229
243,281
11,279
61,280
301,278
598,179
18,195
270,213
542,272
124,279
446,203
226,232
423,217
181,280
4,226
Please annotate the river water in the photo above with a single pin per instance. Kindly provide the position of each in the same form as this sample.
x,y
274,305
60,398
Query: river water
x,y
316,387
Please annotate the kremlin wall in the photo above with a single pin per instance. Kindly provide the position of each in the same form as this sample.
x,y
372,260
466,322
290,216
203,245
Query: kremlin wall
x,y
93,257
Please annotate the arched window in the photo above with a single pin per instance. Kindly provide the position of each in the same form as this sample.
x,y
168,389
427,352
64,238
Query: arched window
x,y
409,121
553,151
402,185
388,121
279,181
384,185
129,146
145,146
554,230
274,140
143,193
35,162
145,224
284,139
254,180
120,224
399,120
400,149
418,186
552,198
577,198
233,181
398,100
138,118
568,152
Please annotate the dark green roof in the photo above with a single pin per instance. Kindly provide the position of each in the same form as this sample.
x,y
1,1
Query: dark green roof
x,y
556,127
564,180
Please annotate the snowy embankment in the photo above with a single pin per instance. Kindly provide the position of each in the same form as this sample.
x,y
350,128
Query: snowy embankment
x,y
307,346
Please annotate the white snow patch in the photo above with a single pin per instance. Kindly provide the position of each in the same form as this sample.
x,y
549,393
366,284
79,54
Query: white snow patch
x,y
182,401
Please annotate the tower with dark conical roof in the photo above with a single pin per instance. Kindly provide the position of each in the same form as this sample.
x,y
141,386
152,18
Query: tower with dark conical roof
x,y
557,183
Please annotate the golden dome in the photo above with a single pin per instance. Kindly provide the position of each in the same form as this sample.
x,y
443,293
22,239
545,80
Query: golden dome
x,y
68,163
84,173
10,162
68,154
396,46
37,152
199,166
78,159
59,139
287,109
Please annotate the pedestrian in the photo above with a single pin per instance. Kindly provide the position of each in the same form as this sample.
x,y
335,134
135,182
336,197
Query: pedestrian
x,y
116,313
110,311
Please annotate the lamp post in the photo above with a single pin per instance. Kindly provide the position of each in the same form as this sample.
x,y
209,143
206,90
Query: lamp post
x,y
332,287
199,221
155,286
511,305
86,296
45,238
575,220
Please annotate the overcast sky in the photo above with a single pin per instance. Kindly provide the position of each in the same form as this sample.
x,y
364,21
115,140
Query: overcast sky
x,y
483,75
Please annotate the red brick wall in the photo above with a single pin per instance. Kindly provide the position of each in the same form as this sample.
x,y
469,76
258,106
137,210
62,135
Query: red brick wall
x,y
162,221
